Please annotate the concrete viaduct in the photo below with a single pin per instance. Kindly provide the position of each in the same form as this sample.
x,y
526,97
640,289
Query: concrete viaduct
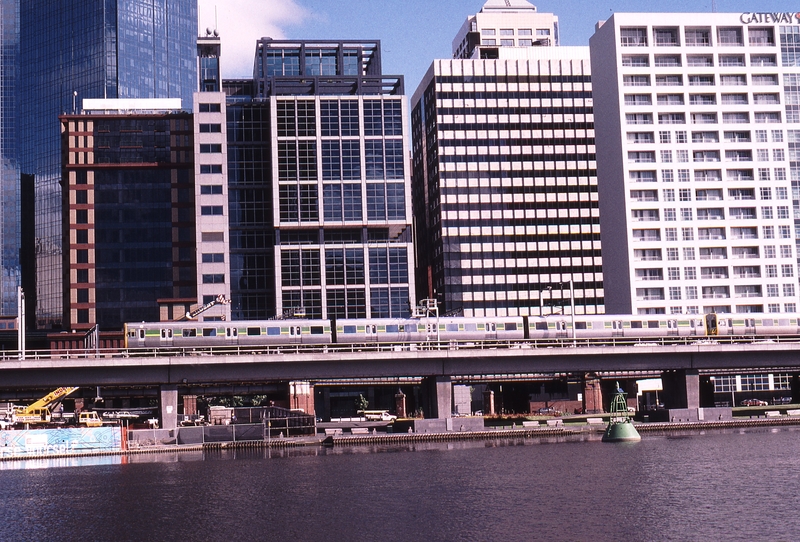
x,y
683,363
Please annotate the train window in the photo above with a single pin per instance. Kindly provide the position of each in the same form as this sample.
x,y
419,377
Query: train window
x,y
490,327
766,322
580,325
256,331
636,324
561,326
141,334
511,326
672,324
349,329
317,330
209,332
617,324
470,327
163,333
541,326
169,333
652,324
190,332
451,327
729,322
374,329
392,328
410,328
749,322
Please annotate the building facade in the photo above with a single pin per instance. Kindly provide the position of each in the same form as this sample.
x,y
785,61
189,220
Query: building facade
x,y
129,208
697,131
505,190
319,184
80,49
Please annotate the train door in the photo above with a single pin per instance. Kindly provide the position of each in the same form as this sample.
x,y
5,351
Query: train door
x,y
616,328
371,332
750,326
561,329
231,335
491,331
672,328
166,337
295,336
711,324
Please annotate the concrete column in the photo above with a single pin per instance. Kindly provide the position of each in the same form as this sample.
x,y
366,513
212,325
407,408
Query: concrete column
x,y
681,389
169,407
488,403
592,395
440,391
301,396
400,404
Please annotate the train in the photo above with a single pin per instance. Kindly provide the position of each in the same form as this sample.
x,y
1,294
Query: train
x,y
191,334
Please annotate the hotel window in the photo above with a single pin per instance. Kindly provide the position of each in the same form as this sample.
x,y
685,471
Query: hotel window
x,y
666,157
700,61
777,136
781,192
669,80
733,80
507,43
671,118
669,194
766,192
636,80
488,32
778,155
665,37
768,232
736,118
506,31
771,271
768,118
688,253
697,37
670,99
680,137
765,79
668,61
784,231
690,273
669,215
670,234
766,99
667,175
691,293
702,99
685,194
761,36
731,60
665,137
730,36
762,60
638,99
525,32
674,293
705,80
639,118
763,174
672,254
633,37
734,99
635,61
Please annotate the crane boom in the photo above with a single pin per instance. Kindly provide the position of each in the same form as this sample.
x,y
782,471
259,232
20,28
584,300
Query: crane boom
x,y
191,315
51,398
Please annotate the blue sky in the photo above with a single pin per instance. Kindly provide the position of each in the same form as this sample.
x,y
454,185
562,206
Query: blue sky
x,y
412,32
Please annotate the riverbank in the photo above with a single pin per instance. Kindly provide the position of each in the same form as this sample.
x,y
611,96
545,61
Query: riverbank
x,y
495,433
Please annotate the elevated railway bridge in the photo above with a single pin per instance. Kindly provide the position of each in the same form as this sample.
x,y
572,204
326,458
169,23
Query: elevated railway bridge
x,y
168,373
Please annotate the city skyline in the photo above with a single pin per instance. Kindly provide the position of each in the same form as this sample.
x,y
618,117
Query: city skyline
x,y
409,40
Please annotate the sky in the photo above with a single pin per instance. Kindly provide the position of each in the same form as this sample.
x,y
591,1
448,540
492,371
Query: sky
x,y
412,32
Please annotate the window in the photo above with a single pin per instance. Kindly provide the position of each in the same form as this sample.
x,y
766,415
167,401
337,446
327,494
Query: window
x,y
667,175
669,194
670,234
671,118
666,157
731,60
665,37
777,136
768,232
765,79
668,61
700,61
211,210
690,273
763,174
209,108
215,257
773,117
636,80
762,60
688,253
771,271
669,215
686,213
760,36
633,37
734,99
635,61
638,99
215,278
733,80
639,118
769,252
680,137
672,254
210,148
211,189
778,155
669,80
685,194
210,168
766,99
781,192
736,118
730,36
210,128
640,137
665,137
697,37
687,234
705,80
674,293
670,99
702,99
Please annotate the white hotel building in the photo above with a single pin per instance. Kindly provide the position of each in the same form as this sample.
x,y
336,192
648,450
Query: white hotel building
x,y
698,131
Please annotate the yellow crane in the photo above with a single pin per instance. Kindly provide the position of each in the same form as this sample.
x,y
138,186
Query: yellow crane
x,y
40,412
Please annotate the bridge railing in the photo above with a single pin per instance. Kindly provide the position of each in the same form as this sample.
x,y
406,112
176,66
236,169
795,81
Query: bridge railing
x,y
10,356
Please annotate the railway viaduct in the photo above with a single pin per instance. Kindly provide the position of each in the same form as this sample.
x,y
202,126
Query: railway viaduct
x,y
437,365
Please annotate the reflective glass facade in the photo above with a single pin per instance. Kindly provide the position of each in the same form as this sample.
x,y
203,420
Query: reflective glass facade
x,y
9,167
76,49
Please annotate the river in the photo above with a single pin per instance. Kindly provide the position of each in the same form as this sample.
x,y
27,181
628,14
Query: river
x,y
737,484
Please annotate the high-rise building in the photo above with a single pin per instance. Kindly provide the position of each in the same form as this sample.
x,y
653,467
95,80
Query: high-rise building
x,y
129,207
9,165
318,181
73,50
505,192
698,132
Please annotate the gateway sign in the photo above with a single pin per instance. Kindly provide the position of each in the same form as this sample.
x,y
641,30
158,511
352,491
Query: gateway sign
x,y
766,18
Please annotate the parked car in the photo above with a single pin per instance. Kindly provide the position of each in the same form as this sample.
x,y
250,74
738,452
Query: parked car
x,y
753,402
781,400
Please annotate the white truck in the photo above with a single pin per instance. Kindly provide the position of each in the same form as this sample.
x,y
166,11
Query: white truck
x,y
378,416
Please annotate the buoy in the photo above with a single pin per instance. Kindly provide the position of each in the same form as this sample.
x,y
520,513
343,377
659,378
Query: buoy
x,y
620,427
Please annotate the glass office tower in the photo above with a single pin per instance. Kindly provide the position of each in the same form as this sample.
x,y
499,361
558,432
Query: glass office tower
x,y
9,170
76,49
